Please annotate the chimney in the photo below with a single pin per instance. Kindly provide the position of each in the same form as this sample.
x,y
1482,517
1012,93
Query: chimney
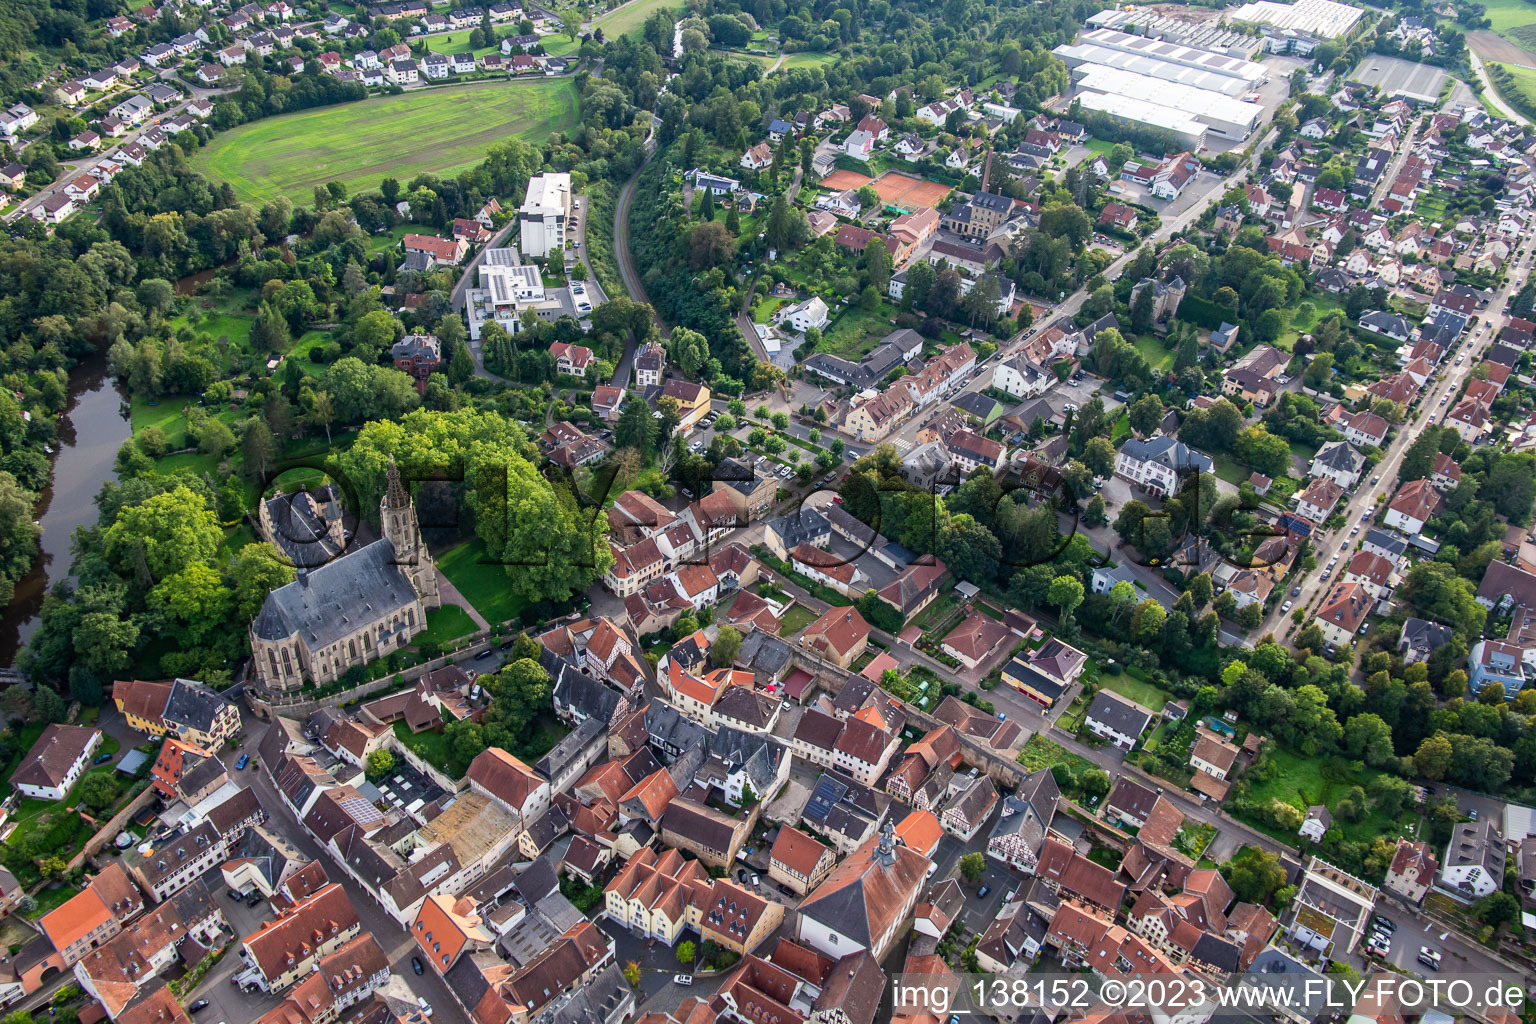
x,y
302,575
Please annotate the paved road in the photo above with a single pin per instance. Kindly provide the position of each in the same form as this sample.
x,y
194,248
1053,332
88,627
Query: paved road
x,y
1493,94
68,169
392,938
1379,194
627,272
1433,403
1071,304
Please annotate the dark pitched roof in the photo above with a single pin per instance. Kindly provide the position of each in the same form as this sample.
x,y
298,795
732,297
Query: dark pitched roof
x,y
194,705
329,603
1119,714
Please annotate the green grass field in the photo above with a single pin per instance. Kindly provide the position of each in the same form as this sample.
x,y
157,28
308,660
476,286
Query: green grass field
x,y
1148,696
631,17
221,325
446,623
796,618
439,130
456,41
1524,80
1509,14
483,584
1304,781
1151,349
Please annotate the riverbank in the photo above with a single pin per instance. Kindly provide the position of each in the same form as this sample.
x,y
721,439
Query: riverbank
x,y
90,433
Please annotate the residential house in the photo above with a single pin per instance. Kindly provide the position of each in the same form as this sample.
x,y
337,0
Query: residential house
x,y
1159,464
1342,614
50,769
1473,864
1412,507
1117,719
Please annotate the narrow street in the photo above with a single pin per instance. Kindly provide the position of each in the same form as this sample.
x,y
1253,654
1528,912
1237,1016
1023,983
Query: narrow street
x,y
392,938
1068,308
1434,401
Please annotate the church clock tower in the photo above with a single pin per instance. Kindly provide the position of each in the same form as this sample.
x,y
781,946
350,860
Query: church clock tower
x,y
397,517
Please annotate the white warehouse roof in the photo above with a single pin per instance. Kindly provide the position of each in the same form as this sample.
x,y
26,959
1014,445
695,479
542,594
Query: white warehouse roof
x,y
1323,18
1227,115
1175,53
1146,112
1075,55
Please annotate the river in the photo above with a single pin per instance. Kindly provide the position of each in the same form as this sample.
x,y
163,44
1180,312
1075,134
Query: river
x,y
90,434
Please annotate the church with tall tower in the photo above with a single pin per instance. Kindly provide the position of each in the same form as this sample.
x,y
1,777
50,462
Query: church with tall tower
x,y
362,605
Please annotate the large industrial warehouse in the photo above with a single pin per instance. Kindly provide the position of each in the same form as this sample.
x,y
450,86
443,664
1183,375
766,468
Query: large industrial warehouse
x,y
1165,85
1321,18
1157,58
1204,35
1189,131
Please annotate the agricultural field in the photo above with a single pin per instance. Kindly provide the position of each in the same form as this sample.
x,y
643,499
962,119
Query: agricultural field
x,y
440,130
631,17
1515,20
1524,80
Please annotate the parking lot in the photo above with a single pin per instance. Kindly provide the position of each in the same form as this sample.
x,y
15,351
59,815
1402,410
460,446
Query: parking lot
x,y
226,1003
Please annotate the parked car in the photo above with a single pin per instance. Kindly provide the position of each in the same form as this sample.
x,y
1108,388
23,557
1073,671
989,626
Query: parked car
x,y
102,758
245,759
1285,607
198,1007
682,979
484,654
983,891
416,965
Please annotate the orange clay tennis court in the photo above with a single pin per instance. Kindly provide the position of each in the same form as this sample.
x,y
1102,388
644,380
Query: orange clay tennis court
x,y
893,187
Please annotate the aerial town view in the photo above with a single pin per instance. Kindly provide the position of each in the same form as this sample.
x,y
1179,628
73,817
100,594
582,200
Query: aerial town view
x,y
768,512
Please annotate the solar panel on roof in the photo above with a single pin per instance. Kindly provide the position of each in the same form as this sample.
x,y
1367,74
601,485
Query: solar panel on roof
x,y
360,810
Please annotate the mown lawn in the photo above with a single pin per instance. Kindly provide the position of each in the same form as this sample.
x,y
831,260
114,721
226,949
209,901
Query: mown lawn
x,y
1524,79
236,328
440,130
446,623
483,583
53,899
1148,696
631,17
432,746
165,413
1508,14
1152,350
796,618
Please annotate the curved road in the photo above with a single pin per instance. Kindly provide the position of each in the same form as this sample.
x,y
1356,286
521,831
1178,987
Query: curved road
x,y
1482,76
621,255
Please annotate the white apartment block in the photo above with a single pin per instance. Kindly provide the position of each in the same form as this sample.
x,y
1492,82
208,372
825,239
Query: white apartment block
x,y
542,217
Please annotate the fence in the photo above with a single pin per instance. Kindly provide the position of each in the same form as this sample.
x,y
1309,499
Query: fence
x,y
415,760
112,828
297,705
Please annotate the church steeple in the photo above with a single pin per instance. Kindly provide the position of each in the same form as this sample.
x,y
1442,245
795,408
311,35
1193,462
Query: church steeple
x,y
397,519
394,492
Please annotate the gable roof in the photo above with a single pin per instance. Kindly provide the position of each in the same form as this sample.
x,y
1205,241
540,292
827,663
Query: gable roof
x,y
863,895
48,763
